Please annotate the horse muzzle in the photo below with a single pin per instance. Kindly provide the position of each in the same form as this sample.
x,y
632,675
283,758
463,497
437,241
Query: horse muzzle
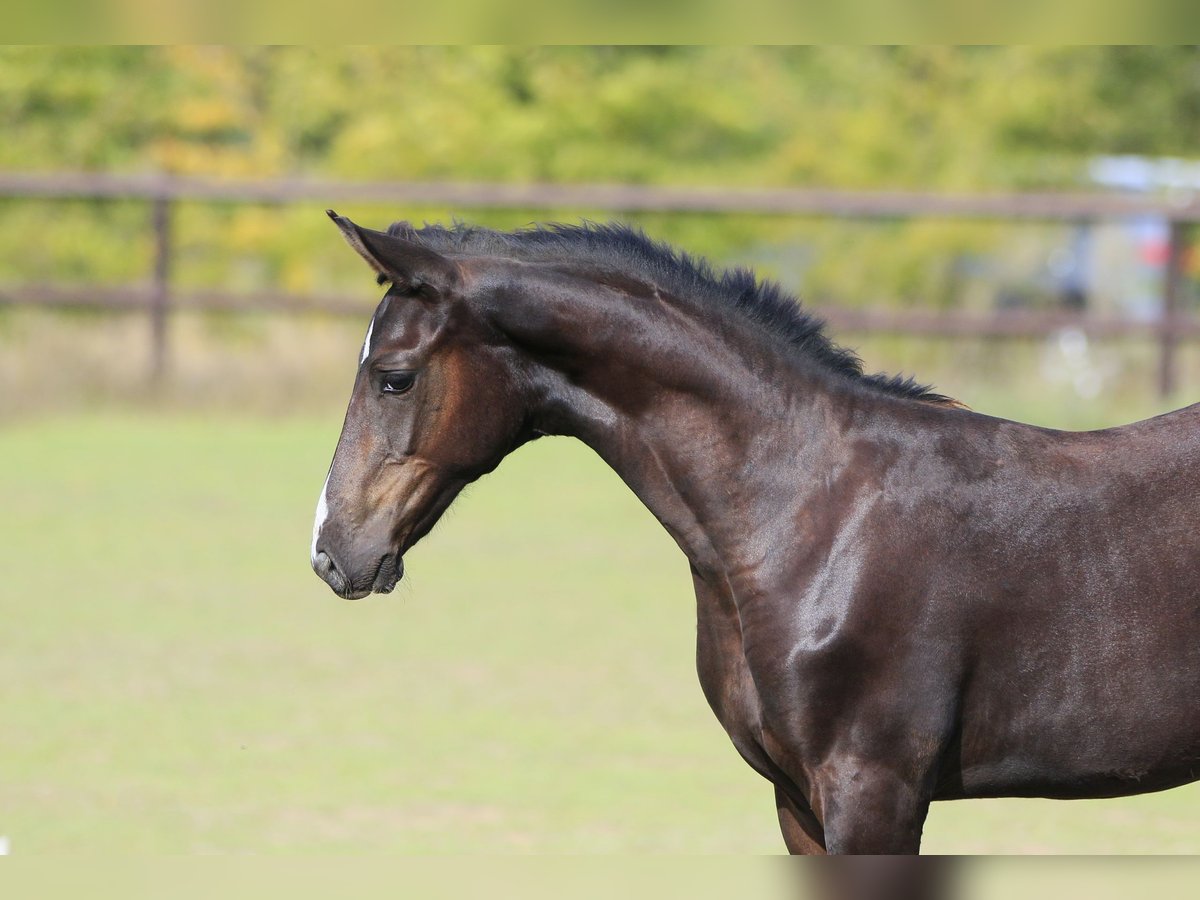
x,y
380,579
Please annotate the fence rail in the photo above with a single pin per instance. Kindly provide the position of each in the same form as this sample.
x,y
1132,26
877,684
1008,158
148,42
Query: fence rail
x,y
1180,206
1180,210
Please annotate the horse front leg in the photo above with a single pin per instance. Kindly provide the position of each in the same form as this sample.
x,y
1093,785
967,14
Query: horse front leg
x,y
802,833
870,809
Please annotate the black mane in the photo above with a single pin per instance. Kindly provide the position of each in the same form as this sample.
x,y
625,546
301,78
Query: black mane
x,y
625,248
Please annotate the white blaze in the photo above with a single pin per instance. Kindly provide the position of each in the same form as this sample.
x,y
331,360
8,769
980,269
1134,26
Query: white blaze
x,y
367,343
322,515
323,503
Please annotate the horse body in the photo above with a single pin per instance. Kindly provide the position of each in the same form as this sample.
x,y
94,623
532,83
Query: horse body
x,y
898,600
1014,613
966,606
1080,586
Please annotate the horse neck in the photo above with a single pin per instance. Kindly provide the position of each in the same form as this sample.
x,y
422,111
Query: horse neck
x,y
711,427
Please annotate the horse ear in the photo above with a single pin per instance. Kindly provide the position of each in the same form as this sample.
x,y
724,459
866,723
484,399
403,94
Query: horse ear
x,y
405,263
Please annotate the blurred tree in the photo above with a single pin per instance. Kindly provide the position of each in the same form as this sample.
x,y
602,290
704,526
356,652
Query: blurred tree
x,y
915,116
895,117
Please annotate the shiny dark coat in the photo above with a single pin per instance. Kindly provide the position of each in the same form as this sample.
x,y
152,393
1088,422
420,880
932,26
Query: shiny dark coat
x,y
898,600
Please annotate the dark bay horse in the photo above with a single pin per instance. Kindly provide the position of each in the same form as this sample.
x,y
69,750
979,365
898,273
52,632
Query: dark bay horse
x,y
899,600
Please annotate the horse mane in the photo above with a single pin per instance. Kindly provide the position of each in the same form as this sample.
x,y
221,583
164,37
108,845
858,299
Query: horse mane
x,y
628,249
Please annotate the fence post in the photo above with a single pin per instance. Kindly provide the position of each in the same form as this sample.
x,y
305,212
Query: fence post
x,y
1168,338
160,294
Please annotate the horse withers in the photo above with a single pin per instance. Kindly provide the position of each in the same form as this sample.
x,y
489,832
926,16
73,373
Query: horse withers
x,y
899,600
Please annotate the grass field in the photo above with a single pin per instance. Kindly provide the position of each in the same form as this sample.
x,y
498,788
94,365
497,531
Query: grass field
x,y
174,679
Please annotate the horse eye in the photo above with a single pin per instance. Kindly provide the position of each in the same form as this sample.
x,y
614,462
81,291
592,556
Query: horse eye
x,y
398,382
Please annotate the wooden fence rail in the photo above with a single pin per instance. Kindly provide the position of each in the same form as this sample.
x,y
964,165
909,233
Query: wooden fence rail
x,y
1179,210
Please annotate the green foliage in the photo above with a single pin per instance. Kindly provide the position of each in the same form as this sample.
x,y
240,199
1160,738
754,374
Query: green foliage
x,y
980,118
852,117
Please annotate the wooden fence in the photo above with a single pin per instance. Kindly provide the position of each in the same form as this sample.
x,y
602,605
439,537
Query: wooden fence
x,y
158,299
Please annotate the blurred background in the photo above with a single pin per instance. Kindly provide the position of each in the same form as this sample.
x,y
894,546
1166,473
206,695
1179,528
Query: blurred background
x,y
179,328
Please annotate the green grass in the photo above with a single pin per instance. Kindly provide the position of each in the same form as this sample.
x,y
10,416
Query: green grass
x,y
174,679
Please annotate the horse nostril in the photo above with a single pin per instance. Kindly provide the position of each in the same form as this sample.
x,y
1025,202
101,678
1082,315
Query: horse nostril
x,y
327,569
323,565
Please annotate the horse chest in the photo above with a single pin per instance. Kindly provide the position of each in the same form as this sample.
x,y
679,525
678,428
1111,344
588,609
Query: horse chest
x,y
727,683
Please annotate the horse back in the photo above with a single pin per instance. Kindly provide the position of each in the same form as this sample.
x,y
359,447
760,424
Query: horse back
x,y
1072,577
